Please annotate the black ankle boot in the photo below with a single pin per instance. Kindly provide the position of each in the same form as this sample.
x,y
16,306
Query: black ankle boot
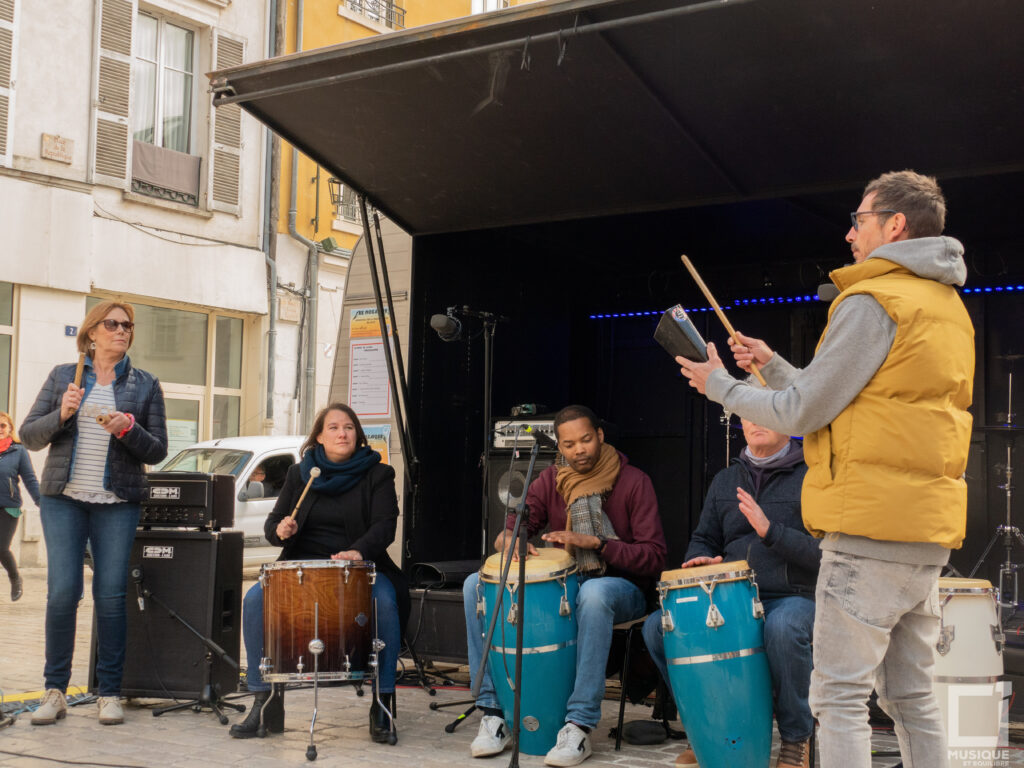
x,y
272,716
380,723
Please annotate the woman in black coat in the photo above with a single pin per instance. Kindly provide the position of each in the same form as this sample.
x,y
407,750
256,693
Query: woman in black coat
x,y
350,513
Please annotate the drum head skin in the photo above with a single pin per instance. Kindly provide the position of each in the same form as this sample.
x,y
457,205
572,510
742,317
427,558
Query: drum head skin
x,y
952,586
548,563
721,572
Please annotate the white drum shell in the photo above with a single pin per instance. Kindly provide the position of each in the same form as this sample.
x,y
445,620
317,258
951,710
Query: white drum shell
x,y
968,677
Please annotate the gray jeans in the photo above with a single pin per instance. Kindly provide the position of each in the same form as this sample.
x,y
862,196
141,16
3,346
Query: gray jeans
x,y
876,625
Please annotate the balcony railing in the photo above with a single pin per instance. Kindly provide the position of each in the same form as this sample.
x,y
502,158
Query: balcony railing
x,y
386,12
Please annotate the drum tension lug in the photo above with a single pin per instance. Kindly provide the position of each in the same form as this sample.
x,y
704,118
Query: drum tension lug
x,y
481,606
298,575
758,609
998,637
373,577
667,625
714,619
563,607
300,666
946,636
346,574
513,613
348,664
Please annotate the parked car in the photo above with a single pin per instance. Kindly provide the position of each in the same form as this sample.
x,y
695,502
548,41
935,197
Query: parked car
x,y
258,465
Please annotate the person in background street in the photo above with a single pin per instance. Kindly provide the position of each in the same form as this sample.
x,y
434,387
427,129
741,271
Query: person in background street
x,y
14,464
100,436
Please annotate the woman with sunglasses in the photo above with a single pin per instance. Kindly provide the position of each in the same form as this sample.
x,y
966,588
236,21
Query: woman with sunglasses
x,y
14,465
100,435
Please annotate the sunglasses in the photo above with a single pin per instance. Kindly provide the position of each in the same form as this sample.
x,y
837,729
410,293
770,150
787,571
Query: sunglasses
x,y
113,325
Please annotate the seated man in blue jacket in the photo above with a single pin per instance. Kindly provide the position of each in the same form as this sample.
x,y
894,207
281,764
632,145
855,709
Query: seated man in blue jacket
x,y
752,513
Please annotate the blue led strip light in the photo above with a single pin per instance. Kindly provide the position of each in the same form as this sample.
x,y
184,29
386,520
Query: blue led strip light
x,y
740,303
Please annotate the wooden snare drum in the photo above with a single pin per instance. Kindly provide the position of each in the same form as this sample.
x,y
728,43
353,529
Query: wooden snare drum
x,y
318,618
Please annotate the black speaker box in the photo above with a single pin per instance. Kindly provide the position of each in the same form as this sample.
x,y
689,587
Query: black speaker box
x,y
198,575
506,479
437,625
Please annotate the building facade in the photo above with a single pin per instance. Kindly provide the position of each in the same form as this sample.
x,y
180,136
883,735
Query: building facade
x,y
119,180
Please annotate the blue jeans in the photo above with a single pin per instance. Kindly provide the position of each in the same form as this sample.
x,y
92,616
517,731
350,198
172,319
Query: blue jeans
x,y
788,628
110,530
601,603
387,626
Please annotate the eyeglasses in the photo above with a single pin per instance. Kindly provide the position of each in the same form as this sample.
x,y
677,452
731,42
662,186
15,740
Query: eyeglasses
x,y
112,325
855,214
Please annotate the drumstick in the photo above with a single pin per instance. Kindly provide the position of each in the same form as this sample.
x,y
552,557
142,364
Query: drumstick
x,y
721,315
314,473
78,371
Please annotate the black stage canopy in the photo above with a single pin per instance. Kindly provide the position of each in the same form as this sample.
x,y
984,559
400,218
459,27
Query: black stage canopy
x,y
579,108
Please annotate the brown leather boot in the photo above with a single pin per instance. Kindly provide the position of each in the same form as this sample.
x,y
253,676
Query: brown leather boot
x,y
794,754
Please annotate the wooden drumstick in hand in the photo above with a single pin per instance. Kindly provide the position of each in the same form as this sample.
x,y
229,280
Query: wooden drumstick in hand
x,y
314,473
721,315
78,372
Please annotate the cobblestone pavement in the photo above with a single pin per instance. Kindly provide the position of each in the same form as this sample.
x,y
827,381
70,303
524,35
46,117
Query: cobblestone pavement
x,y
197,739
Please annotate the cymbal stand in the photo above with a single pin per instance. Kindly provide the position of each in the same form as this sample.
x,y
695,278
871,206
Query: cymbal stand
x,y
1009,594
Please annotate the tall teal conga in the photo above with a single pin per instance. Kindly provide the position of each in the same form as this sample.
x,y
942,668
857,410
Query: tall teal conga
x,y
714,649
549,643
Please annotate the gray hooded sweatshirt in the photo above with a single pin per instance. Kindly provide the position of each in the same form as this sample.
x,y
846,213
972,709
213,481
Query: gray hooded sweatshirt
x,y
860,335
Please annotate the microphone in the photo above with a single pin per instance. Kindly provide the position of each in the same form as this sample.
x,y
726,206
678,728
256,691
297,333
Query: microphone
x,y
136,574
827,292
543,438
448,327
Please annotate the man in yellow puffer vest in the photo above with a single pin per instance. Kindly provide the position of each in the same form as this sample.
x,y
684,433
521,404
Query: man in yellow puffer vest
x,y
883,407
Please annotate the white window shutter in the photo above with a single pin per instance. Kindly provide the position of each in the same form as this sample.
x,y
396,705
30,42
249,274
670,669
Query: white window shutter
x,y
8,14
224,184
111,107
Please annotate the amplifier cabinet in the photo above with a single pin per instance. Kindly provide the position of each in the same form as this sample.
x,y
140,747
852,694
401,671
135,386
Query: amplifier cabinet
x,y
198,575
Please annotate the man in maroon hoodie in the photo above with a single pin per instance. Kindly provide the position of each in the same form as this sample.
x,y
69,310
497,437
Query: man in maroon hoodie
x,y
616,536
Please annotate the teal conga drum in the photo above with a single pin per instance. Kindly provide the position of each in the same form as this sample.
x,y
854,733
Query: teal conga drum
x,y
549,642
713,624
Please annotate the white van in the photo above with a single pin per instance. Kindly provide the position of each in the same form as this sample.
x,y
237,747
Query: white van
x,y
259,465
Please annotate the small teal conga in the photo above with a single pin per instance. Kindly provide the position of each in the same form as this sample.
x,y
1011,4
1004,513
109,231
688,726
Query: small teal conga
x,y
714,649
549,643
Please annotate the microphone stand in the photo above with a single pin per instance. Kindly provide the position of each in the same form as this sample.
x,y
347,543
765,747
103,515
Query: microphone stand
x,y
519,535
209,697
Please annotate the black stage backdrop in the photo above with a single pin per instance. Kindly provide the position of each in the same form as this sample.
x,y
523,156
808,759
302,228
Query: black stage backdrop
x,y
550,279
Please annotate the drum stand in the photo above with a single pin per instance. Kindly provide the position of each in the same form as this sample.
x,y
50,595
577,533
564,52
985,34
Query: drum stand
x,y
519,535
1009,594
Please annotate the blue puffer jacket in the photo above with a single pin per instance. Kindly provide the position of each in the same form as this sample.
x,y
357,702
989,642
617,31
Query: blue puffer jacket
x,y
14,463
786,561
135,392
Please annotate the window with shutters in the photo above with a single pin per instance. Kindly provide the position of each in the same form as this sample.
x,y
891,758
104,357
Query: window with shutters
x,y
164,163
6,76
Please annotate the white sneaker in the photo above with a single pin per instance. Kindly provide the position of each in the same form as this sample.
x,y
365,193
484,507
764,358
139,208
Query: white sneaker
x,y
111,712
492,738
53,707
571,748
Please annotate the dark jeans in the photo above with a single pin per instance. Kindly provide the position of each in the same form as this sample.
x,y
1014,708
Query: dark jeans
x,y
110,530
788,627
8,525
